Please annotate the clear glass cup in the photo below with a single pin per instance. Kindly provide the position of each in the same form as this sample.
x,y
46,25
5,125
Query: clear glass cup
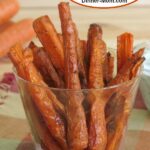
x,y
118,101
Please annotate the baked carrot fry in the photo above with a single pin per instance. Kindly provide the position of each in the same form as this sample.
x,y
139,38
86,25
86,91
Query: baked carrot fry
x,y
47,34
94,30
57,104
27,53
97,124
60,38
116,115
80,60
45,106
136,67
16,56
64,14
43,63
95,70
138,54
42,101
42,130
83,44
77,130
125,72
109,68
124,49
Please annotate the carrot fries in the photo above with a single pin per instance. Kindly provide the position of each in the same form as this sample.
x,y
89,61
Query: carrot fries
x,y
47,34
109,68
43,63
97,124
77,130
125,72
72,97
124,49
80,60
17,56
94,30
117,110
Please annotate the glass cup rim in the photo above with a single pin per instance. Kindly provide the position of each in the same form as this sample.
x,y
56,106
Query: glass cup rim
x,y
61,89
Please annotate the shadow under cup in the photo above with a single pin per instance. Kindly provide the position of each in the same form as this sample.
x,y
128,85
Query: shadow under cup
x,y
118,101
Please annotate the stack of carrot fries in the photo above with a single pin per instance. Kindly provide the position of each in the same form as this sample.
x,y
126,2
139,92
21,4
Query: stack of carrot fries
x,y
67,62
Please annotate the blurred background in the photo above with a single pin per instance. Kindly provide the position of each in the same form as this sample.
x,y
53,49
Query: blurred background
x,y
131,18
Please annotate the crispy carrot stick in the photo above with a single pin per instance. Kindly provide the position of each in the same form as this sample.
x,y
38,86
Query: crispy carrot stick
x,y
97,124
109,68
27,53
94,30
16,56
117,109
83,44
95,72
116,114
136,67
64,14
47,34
124,49
60,38
81,65
43,63
57,104
41,98
42,130
125,72
45,106
77,130
138,54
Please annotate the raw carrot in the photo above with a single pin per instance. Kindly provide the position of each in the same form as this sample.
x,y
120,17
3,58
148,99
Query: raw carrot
x,y
21,31
8,8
